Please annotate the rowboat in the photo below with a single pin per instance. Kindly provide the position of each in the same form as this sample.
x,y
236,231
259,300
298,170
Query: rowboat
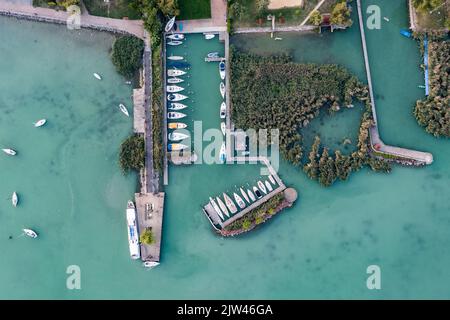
x,y
209,36
177,106
97,76
40,123
257,192
223,153
177,125
176,146
230,204
174,88
176,97
175,115
239,200
124,109
175,72
175,58
272,180
216,208
262,187
251,195
174,80
386,19
14,199
30,233
222,89
244,195
10,152
214,54
133,235
222,69
406,33
268,185
223,110
150,264
177,136
176,36
223,127
169,24
174,43
222,206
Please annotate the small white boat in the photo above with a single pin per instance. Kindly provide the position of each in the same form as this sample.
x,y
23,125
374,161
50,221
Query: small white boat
x,y
222,89
386,19
257,192
175,72
174,88
133,236
244,195
177,106
239,200
216,208
97,76
222,206
175,115
177,136
175,58
230,204
14,199
209,36
223,127
223,110
177,125
262,187
251,195
176,97
174,43
214,54
176,146
10,152
128,82
150,264
30,233
272,180
223,153
174,80
124,109
176,36
268,186
169,24
40,123
222,70
278,38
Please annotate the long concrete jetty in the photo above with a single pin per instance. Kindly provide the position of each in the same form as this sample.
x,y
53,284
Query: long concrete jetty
x,y
378,146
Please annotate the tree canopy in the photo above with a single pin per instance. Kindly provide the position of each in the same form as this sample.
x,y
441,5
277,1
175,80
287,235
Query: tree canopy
x,y
132,153
127,55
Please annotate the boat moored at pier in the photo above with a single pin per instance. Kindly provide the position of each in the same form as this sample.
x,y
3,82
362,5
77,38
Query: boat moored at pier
x,y
133,235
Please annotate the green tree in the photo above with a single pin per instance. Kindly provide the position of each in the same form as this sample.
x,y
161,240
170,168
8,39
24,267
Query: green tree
x,y
261,5
132,153
312,167
427,5
147,237
316,18
127,55
340,15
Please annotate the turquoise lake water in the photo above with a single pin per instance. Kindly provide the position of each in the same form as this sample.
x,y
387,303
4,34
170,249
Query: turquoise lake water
x,y
73,193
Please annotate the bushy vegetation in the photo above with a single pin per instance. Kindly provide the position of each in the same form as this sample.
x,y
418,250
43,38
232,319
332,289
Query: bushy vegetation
x,y
56,4
132,154
127,55
340,14
427,5
433,112
316,18
147,237
157,110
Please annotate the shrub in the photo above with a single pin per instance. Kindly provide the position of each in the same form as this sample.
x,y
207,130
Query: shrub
x,y
127,55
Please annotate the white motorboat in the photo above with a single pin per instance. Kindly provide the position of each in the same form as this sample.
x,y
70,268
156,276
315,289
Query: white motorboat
x,y
176,146
386,19
209,36
216,208
176,36
174,43
175,115
176,97
239,200
230,204
222,89
257,192
124,109
10,152
169,24
244,195
174,80
40,123
150,264
175,58
30,233
97,76
175,72
133,236
222,206
214,54
174,88
272,180
177,125
14,199
223,110
177,106
177,136
222,70
262,187
268,186
223,153
223,127
251,195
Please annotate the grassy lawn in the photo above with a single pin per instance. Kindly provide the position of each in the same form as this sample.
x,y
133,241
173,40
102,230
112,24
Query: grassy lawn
x,y
435,20
194,9
114,9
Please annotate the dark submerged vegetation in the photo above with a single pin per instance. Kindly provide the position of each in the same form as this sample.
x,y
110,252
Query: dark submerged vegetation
x,y
132,153
127,55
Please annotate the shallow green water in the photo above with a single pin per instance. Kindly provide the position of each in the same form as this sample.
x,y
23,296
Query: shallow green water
x,y
320,248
